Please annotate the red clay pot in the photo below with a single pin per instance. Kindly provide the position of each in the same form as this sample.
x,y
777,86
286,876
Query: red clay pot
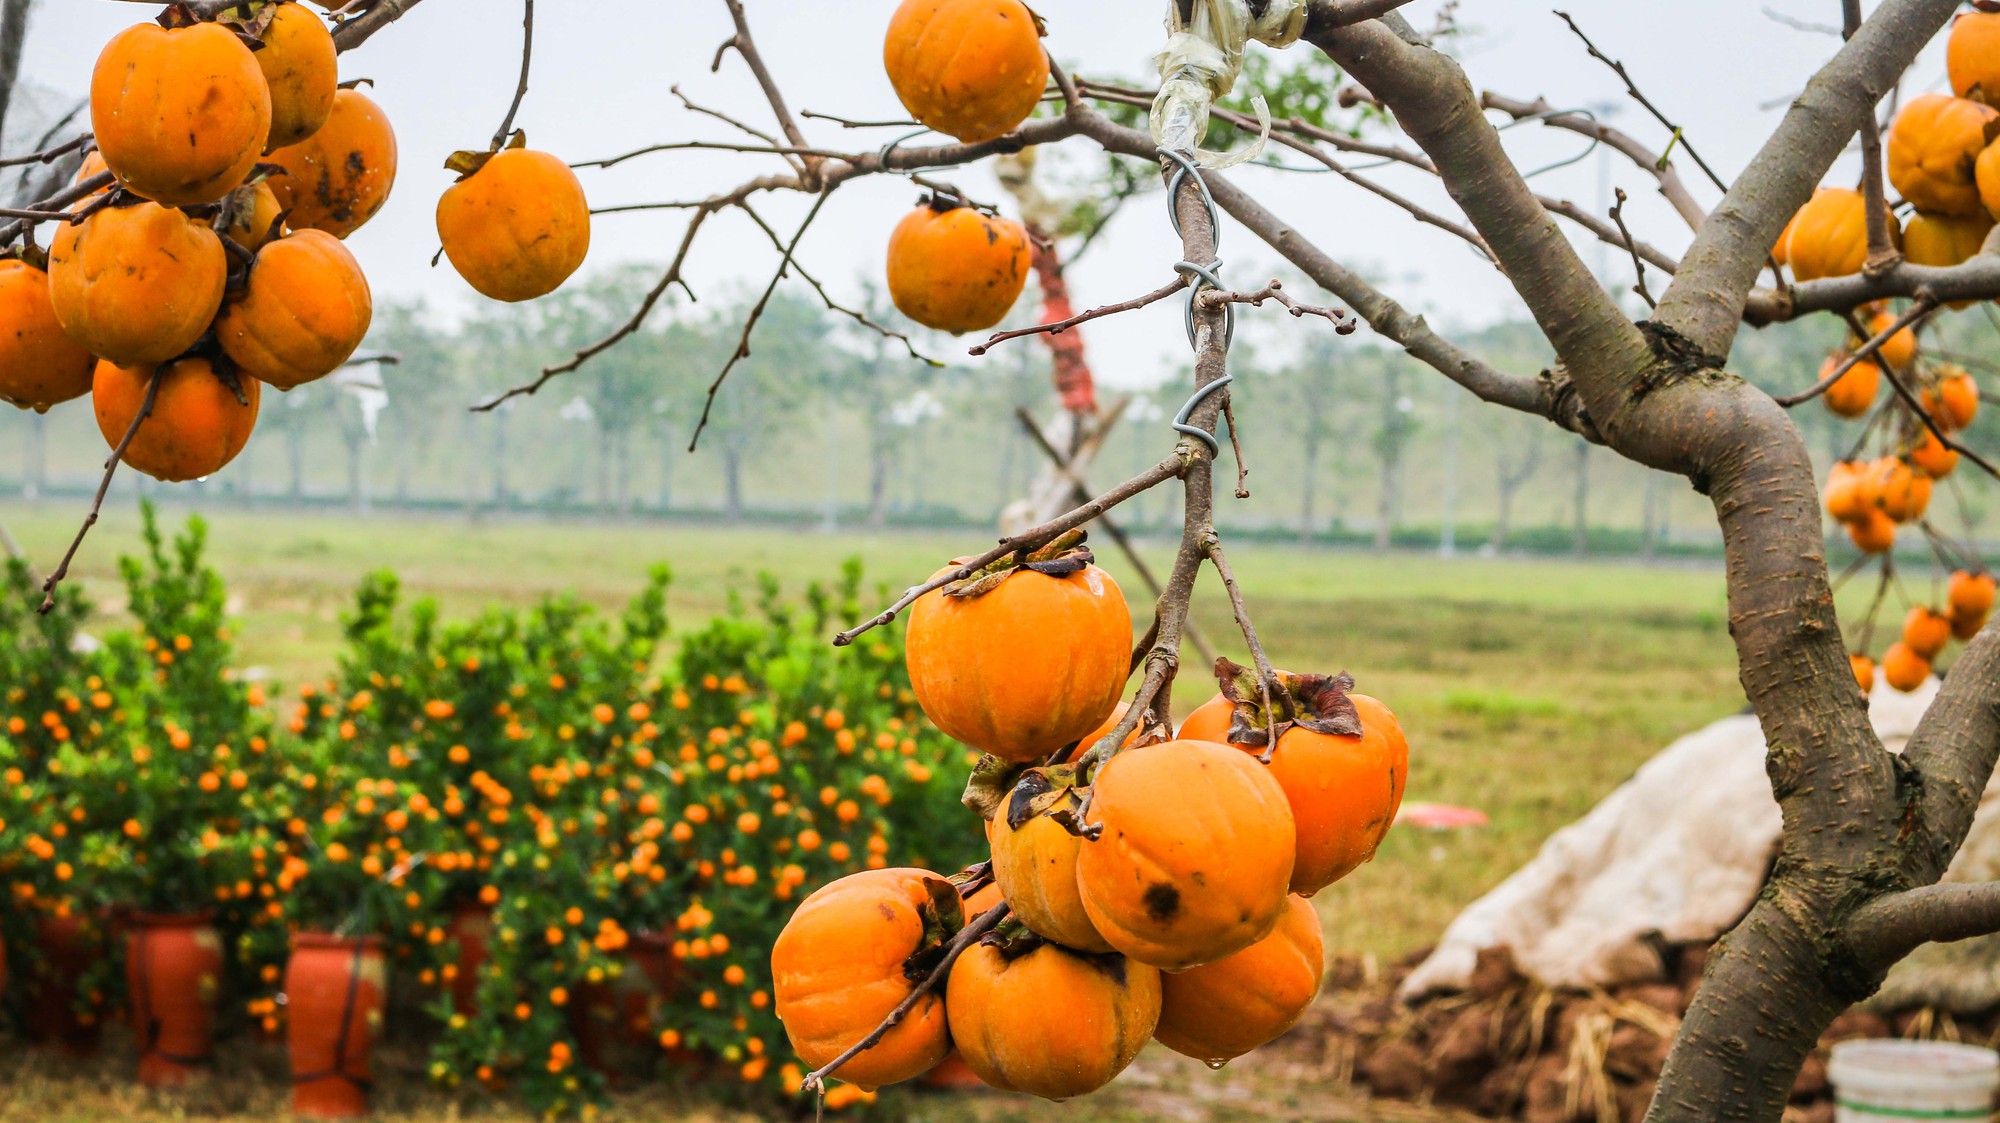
x,y
471,926
173,968
614,1021
66,948
335,993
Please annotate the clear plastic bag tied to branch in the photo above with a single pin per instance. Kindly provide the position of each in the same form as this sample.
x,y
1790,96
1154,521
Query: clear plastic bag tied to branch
x,y
1201,62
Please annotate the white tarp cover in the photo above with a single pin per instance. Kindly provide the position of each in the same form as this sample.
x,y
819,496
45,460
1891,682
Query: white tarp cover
x,y
1675,855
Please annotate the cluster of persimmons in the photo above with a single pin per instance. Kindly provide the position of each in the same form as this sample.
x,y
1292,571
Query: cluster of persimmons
x,y
209,262
1153,888
1943,159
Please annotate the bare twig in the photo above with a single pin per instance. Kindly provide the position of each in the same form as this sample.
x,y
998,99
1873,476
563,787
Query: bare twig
x,y
1274,290
742,350
747,129
1266,675
1882,253
1652,163
1171,468
1632,89
671,277
1917,311
1060,326
746,46
521,90
103,487
1081,489
1340,13
1236,449
1916,406
827,299
49,155
967,936
56,203
377,15
1638,264
850,123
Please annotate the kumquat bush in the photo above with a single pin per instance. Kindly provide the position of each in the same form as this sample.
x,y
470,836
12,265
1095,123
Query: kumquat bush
x,y
571,842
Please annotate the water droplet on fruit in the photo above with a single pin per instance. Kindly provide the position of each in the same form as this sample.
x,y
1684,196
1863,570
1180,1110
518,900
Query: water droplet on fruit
x,y
1215,1065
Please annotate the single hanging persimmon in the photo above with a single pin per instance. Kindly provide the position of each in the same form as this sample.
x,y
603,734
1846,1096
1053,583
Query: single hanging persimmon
x,y
1222,1010
1946,240
302,68
40,365
1972,56
1971,594
973,69
1932,148
253,216
1829,235
1899,350
1926,631
956,269
1954,401
1035,1017
1852,393
197,426
1864,672
1034,859
179,115
1341,759
1873,533
849,955
304,309
1194,854
1025,656
1852,491
137,285
1971,597
516,224
337,178
1906,491
1904,670
1936,459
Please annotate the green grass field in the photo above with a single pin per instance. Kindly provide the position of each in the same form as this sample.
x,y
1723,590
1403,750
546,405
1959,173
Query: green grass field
x,y
1528,689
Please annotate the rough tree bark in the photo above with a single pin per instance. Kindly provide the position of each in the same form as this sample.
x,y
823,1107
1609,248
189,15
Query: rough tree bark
x,y
1659,395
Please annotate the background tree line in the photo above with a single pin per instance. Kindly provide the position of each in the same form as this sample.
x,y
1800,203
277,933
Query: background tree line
x,y
828,423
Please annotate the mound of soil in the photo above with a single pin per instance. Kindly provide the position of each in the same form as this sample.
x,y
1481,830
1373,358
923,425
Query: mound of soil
x,y
1510,1048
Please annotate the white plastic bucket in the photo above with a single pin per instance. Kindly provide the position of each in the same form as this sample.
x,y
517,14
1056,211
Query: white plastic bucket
x,y
1912,1082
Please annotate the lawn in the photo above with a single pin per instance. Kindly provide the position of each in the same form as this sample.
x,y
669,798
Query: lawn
x,y
1528,690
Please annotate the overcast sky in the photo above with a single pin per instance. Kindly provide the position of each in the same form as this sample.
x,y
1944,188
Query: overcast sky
x,y
603,68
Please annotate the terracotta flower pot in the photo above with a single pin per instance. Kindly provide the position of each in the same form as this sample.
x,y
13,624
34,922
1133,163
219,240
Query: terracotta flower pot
x,y
613,1021
66,948
471,926
173,968
335,992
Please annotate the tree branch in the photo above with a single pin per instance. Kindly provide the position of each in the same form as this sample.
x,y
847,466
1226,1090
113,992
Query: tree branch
x,y
356,30
1917,312
746,45
1642,157
1434,103
1170,468
520,89
1953,751
103,487
1058,327
1707,298
1889,928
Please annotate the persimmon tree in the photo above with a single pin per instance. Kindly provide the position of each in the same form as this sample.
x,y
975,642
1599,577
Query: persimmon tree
x,y
1867,834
